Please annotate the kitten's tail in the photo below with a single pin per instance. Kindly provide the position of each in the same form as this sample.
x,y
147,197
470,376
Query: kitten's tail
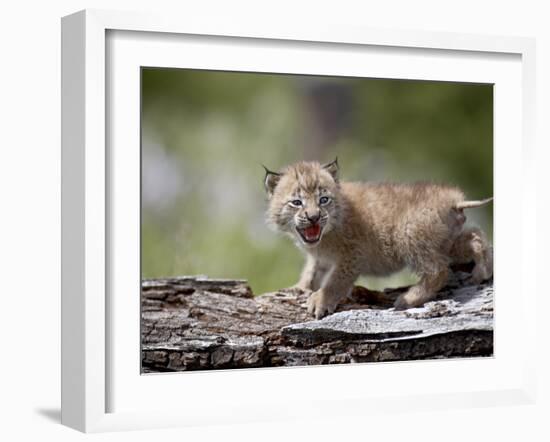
x,y
472,204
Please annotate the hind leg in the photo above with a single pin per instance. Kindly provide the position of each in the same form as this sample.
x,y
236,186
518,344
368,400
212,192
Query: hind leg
x,y
472,245
424,291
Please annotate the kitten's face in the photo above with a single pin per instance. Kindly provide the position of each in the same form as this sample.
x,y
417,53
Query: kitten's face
x,y
304,201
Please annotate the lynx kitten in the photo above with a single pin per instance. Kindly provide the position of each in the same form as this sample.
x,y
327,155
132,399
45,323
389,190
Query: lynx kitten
x,y
350,229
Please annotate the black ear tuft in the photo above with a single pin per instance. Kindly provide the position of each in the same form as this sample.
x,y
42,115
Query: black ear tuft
x,y
332,168
271,180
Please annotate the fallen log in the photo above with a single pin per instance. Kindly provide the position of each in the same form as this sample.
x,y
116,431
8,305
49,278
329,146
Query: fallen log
x,y
197,323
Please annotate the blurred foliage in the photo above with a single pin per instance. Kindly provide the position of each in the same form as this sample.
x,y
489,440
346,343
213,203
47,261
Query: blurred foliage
x,y
205,135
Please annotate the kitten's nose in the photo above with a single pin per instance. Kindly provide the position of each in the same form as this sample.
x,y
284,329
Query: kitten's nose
x,y
314,217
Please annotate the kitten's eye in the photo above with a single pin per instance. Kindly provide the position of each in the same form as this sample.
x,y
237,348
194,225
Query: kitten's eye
x,y
324,200
296,203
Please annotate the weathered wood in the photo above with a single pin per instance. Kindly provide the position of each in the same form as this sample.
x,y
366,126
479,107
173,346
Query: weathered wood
x,y
196,323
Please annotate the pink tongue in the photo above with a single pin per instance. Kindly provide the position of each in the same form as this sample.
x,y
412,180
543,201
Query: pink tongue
x,y
312,232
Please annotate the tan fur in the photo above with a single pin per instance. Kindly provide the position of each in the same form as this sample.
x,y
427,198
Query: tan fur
x,y
373,229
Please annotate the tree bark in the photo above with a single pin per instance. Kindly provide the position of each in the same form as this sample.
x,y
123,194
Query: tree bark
x,y
196,323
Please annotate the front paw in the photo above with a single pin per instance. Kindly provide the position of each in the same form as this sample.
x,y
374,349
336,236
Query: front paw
x,y
319,304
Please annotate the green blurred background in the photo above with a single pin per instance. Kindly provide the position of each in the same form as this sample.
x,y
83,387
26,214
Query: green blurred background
x,y
205,135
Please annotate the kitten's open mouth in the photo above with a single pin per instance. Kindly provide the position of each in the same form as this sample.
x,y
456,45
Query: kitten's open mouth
x,y
311,234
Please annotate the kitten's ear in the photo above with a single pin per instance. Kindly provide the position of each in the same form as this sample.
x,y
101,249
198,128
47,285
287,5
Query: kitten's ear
x,y
332,168
271,180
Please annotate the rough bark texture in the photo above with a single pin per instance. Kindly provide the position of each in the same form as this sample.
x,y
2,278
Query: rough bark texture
x,y
196,323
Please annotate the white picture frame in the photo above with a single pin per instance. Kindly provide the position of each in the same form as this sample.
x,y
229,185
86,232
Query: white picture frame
x,y
89,316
